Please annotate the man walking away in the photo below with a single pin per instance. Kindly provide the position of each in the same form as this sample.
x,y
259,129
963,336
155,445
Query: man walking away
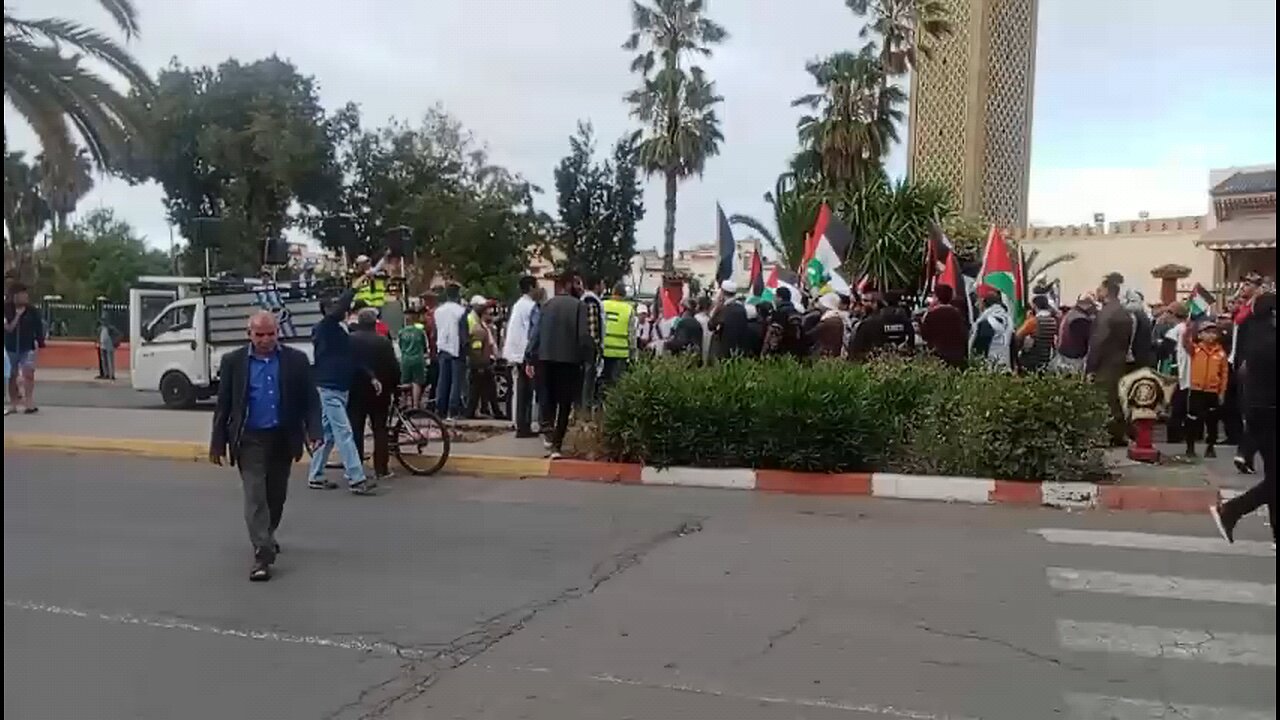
x,y
1244,305
562,346
1259,354
483,390
1038,335
335,369
1208,387
519,328
1109,347
370,406
729,323
267,412
686,336
703,316
619,335
413,342
23,334
943,329
1073,336
888,328
449,346
595,326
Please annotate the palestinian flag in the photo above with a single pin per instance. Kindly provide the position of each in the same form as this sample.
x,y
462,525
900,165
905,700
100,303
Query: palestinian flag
x,y
937,251
1002,271
671,297
725,247
781,277
825,250
755,284
1200,304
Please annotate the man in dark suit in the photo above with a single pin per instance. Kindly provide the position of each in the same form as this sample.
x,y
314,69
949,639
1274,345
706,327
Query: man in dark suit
x,y
560,348
371,350
268,411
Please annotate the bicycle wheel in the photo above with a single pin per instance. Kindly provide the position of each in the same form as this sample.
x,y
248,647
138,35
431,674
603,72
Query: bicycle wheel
x,y
420,442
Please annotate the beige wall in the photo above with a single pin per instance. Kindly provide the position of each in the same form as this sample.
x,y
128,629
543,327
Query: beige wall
x,y
1132,248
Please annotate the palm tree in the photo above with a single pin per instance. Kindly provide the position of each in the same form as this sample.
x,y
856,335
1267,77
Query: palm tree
x,y
890,222
855,116
25,213
795,206
61,99
1035,274
675,103
63,188
905,28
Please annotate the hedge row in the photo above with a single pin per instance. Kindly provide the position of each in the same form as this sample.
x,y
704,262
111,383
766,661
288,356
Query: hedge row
x,y
890,415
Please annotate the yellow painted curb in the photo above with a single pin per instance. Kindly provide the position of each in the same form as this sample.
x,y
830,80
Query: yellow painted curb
x,y
491,465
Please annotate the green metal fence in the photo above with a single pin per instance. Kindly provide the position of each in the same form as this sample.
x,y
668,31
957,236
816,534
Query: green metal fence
x,y
66,320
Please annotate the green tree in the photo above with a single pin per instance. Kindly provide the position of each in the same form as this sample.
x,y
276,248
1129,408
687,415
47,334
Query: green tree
x,y
599,206
472,222
1036,272
675,101
64,187
906,29
853,117
26,212
100,256
795,208
246,143
64,101
890,221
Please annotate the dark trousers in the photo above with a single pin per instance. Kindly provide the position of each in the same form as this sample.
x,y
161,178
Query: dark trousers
x,y
1202,418
264,460
522,400
1230,412
482,393
613,369
546,408
1177,423
1108,380
1260,424
564,387
1248,446
366,409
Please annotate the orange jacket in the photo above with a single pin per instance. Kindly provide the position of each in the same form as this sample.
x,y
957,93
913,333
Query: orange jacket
x,y
1209,368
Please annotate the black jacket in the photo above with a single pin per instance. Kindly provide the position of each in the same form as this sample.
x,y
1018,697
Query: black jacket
x,y
686,336
375,352
729,322
299,402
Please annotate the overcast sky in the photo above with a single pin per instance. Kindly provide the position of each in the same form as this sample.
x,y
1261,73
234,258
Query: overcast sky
x,y
1135,99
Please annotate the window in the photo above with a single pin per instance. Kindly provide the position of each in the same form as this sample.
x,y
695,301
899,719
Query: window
x,y
176,318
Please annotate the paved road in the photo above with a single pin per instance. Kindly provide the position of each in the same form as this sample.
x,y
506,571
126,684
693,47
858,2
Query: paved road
x,y
99,395
126,597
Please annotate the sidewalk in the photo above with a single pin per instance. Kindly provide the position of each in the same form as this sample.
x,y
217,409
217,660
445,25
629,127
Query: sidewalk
x,y
79,375
1172,486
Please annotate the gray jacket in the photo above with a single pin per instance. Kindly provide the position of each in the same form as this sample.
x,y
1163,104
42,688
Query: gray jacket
x,y
563,333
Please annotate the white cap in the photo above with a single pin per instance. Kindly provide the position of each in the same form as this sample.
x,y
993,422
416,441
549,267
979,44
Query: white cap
x,y
642,309
729,287
478,300
362,259
830,301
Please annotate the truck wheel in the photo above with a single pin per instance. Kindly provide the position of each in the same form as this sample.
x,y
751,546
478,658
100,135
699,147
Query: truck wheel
x,y
177,391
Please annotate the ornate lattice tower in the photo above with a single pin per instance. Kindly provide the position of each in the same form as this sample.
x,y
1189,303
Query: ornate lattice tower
x,y
970,123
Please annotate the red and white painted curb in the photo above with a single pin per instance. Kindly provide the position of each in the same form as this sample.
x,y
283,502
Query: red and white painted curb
x,y
974,491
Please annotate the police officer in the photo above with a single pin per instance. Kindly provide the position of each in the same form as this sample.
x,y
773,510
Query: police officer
x,y
372,293
619,334
889,328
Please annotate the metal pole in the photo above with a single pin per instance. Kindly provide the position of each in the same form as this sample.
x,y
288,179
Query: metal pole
x,y
208,264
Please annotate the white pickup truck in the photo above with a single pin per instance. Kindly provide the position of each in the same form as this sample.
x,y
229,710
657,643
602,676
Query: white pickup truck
x,y
181,327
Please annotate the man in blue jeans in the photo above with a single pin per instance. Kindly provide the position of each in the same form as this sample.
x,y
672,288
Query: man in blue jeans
x,y
335,368
450,353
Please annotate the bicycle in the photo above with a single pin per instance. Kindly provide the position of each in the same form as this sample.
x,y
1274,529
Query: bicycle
x,y
419,439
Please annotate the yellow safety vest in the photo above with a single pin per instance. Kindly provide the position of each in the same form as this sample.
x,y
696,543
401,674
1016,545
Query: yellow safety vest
x,y
617,328
374,292
471,325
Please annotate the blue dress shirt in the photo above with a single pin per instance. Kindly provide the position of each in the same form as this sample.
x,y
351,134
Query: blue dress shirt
x,y
264,392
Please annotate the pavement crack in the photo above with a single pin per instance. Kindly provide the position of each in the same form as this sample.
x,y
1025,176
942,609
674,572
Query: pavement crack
x,y
1026,652
784,632
418,675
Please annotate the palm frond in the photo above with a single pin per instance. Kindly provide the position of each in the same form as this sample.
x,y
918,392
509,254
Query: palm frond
x,y
124,13
89,41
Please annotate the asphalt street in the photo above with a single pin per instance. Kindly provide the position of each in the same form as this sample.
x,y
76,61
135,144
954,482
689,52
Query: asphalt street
x,y
100,395
126,596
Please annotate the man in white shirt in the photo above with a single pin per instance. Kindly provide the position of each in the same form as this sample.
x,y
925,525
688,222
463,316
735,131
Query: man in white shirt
x,y
519,329
451,353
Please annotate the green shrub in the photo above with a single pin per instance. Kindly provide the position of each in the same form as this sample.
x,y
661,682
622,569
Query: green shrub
x,y
900,415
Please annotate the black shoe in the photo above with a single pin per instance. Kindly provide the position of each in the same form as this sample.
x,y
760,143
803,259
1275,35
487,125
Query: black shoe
x,y
261,572
1209,452
1244,467
1191,451
277,547
1226,531
321,484
526,434
362,488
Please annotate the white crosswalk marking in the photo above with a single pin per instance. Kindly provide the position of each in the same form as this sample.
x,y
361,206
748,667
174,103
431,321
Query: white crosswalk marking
x,y
1162,586
1101,707
1171,643
1153,541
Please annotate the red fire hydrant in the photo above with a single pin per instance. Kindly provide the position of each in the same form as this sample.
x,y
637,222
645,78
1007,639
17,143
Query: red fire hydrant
x,y
1142,394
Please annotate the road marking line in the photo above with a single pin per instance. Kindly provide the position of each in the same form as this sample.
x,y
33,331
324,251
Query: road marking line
x,y
888,711
1093,707
1162,586
165,623
1152,541
1172,643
